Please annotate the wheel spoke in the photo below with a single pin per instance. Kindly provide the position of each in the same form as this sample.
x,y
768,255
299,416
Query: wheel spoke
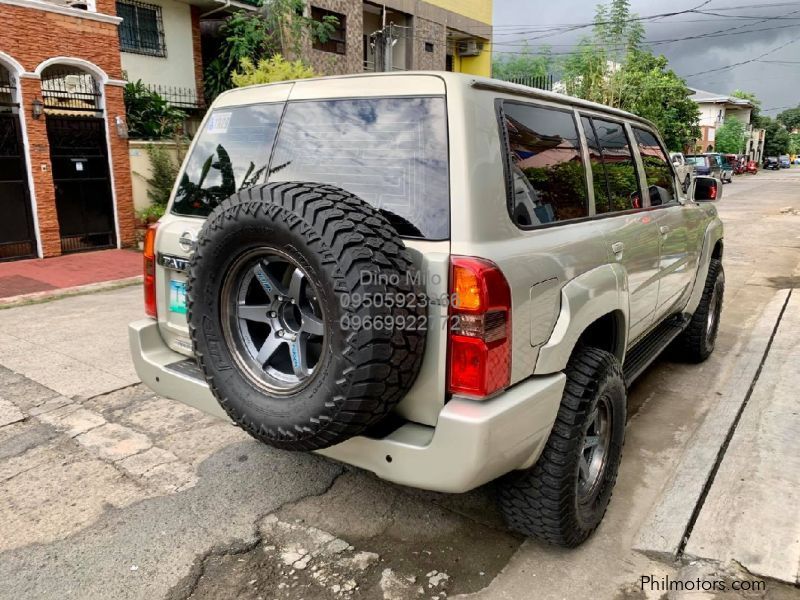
x,y
296,284
583,467
267,349
268,283
297,352
312,324
256,312
591,441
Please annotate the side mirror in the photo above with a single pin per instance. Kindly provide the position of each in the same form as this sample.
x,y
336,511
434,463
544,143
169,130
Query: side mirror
x,y
676,160
707,189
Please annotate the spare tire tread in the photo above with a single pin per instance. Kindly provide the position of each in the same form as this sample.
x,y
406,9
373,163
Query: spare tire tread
x,y
334,220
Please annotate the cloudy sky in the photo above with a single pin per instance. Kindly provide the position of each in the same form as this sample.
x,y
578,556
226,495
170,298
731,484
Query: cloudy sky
x,y
737,31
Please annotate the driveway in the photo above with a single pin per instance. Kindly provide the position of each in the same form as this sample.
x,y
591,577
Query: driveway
x,y
108,491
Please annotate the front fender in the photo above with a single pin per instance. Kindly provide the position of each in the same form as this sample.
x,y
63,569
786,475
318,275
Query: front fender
x,y
714,233
584,300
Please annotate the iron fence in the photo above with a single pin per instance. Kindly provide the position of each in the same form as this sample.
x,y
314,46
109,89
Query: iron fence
x,y
535,81
70,89
179,97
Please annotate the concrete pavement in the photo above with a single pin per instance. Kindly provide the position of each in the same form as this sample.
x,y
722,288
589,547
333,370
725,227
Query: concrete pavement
x,y
109,491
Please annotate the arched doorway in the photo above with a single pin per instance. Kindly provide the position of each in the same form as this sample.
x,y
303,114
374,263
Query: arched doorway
x,y
76,132
17,233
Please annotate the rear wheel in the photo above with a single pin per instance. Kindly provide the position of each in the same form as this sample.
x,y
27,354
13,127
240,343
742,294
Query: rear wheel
x,y
563,497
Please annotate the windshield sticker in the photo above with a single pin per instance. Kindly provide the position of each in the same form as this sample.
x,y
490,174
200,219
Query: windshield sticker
x,y
218,122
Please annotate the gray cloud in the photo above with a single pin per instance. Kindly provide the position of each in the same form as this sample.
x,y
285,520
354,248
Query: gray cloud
x,y
777,85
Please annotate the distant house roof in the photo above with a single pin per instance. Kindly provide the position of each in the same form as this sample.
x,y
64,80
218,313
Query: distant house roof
x,y
702,96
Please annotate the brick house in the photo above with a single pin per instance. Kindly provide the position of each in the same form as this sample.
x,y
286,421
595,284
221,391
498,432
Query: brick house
x,y
65,175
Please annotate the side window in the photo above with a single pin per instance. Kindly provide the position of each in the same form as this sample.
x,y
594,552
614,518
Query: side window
x,y
549,183
657,170
620,168
601,193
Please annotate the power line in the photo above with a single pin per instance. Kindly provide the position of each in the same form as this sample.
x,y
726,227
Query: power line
x,y
745,62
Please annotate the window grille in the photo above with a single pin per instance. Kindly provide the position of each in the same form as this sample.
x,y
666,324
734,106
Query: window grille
x,y
142,28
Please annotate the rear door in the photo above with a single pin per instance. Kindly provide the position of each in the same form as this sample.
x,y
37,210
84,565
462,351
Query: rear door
x,y
630,233
674,220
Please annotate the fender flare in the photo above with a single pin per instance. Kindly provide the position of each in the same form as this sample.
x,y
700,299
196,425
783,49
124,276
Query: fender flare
x,y
584,300
713,234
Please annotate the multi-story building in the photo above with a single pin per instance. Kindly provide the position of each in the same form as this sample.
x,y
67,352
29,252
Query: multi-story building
x,y
714,109
403,35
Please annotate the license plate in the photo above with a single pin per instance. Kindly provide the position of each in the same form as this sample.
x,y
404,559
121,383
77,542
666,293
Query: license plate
x,y
177,296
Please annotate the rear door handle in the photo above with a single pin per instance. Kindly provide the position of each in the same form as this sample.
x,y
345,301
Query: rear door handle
x,y
664,229
617,248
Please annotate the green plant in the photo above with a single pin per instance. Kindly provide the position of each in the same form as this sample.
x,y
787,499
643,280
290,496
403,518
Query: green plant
x,y
165,171
776,139
731,136
151,214
280,27
149,115
525,64
270,70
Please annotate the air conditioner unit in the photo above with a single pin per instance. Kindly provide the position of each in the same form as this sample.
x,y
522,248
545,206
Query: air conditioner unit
x,y
72,83
469,48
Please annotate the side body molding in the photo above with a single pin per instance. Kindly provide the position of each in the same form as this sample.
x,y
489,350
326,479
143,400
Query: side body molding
x,y
585,299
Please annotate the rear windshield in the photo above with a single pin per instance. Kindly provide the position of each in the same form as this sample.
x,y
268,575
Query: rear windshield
x,y
390,152
696,160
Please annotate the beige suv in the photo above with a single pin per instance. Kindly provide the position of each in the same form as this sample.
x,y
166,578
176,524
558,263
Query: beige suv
x,y
442,279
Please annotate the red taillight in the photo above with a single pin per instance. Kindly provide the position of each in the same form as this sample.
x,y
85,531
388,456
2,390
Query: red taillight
x,y
150,306
479,332
712,192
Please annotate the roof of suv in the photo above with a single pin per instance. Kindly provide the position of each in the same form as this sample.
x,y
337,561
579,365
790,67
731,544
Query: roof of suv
x,y
402,83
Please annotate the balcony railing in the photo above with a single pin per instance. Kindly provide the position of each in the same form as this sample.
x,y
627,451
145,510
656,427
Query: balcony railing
x,y
541,82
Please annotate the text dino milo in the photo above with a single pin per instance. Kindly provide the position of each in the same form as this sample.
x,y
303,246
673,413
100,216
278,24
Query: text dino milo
x,y
667,584
384,299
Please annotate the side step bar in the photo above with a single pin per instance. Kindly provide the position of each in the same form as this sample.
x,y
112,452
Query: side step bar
x,y
649,347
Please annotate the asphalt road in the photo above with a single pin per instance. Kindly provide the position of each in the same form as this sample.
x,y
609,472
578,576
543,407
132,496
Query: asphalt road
x,y
107,491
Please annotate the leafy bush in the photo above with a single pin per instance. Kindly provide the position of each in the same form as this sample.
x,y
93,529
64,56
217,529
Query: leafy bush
x,y
270,70
165,171
150,117
151,214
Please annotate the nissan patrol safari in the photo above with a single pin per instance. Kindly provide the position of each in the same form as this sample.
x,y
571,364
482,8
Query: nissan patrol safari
x,y
445,280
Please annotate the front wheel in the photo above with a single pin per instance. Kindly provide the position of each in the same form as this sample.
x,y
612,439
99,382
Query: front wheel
x,y
563,497
697,341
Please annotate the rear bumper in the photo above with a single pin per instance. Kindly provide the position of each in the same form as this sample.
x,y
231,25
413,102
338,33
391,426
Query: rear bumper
x,y
472,443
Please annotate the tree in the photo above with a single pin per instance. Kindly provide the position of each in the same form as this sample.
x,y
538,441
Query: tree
x,y
612,67
776,138
790,118
758,121
280,27
794,143
731,136
523,65
270,70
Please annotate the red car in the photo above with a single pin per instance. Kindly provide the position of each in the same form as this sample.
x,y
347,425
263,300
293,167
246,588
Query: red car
x,y
752,167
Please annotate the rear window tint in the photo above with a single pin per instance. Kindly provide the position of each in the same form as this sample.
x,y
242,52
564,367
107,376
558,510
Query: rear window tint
x,y
231,154
390,152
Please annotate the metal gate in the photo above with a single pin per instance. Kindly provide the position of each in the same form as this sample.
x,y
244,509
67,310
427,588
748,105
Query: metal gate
x,y
17,236
79,156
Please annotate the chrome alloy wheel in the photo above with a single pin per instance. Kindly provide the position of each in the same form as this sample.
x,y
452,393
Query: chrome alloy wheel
x,y
272,320
594,454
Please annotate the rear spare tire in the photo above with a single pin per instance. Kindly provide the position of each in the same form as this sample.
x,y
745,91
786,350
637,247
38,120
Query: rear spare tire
x,y
299,313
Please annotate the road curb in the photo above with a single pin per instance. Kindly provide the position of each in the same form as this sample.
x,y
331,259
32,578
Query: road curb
x,y
48,295
662,534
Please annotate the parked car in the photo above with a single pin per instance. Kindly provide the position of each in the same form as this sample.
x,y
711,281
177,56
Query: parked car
x,y
684,169
752,167
772,163
736,162
726,169
784,161
705,164
797,160
385,314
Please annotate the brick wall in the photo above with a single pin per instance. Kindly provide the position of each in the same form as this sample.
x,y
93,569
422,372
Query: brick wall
x,y
35,37
433,33
197,53
330,63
